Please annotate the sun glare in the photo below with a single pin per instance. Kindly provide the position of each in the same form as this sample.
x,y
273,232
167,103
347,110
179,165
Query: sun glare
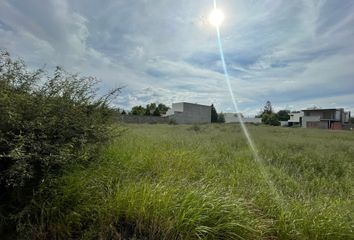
x,y
216,17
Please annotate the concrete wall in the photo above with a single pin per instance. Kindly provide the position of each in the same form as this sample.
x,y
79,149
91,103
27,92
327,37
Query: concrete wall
x,y
232,118
178,107
295,117
284,123
321,124
326,114
347,117
142,119
306,119
189,113
348,127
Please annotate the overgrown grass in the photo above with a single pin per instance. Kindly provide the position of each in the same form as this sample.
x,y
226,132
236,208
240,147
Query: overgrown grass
x,y
176,182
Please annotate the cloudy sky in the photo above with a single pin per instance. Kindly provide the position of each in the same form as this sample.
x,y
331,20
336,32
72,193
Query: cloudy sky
x,y
297,54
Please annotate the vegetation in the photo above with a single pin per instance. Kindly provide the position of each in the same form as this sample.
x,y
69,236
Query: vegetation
x,y
221,118
270,118
215,117
47,124
60,177
151,109
214,114
283,115
203,183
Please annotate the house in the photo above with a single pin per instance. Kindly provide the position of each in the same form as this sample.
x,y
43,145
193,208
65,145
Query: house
x,y
295,118
233,118
331,118
189,113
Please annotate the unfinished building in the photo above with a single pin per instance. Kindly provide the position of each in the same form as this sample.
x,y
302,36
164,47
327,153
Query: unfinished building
x,y
189,113
331,118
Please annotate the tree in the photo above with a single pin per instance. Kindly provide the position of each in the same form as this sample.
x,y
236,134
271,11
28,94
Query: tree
x,y
214,114
150,108
283,115
138,110
147,110
123,112
162,108
268,116
221,118
156,112
268,107
273,120
270,119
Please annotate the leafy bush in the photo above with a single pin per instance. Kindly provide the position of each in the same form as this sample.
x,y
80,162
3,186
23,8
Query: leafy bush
x,y
47,122
270,119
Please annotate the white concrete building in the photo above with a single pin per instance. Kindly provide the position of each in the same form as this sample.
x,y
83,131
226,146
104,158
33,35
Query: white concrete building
x,y
189,113
333,118
295,118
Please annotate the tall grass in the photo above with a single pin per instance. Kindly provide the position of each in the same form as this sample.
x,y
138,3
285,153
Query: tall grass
x,y
173,182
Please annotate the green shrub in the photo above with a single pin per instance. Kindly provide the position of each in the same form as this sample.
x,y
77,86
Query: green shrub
x,y
270,119
47,122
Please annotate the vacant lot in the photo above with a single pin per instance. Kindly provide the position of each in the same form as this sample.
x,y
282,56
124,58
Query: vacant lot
x,y
201,182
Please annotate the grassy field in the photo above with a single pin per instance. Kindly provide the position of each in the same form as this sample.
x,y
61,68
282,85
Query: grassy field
x,y
201,182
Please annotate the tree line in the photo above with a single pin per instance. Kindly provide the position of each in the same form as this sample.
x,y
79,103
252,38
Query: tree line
x,y
151,109
160,109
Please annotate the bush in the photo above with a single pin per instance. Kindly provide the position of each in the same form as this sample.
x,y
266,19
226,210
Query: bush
x,y
46,123
270,119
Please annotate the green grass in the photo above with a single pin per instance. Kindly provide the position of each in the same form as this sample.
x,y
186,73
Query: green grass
x,y
188,182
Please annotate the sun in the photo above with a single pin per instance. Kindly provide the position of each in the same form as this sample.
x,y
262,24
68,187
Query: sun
x,y
216,17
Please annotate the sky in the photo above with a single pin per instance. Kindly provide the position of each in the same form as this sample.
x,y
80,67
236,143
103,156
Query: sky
x,y
296,54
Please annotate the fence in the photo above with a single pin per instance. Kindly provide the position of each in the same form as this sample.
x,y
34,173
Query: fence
x,y
142,119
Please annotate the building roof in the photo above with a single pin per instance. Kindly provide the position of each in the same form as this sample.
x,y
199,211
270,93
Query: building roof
x,y
323,109
192,104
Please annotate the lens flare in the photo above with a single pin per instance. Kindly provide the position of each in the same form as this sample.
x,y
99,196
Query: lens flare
x,y
251,144
216,17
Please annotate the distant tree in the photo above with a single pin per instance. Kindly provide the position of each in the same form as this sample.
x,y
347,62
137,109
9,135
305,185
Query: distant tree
x,y
265,118
214,114
156,112
273,120
147,110
162,108
270,119
283,115
123,112
268,107
259,115
221,118
150,108
268,116
138,110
